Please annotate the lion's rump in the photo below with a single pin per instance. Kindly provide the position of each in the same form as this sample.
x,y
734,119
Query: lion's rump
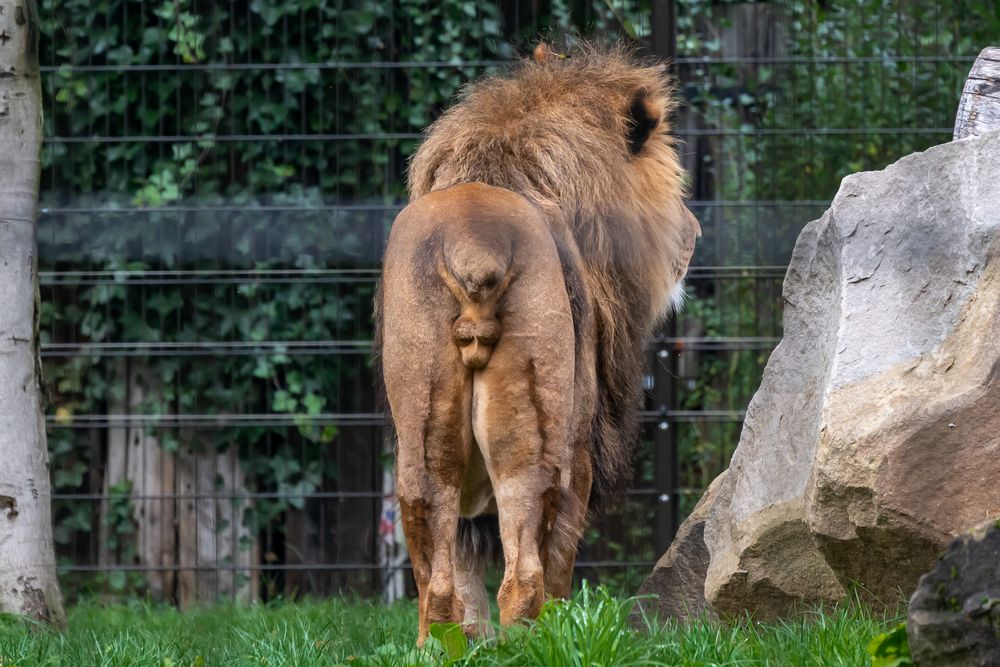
x,y
561,133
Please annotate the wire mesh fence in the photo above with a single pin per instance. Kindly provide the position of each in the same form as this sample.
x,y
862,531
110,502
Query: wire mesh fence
x,y
218,182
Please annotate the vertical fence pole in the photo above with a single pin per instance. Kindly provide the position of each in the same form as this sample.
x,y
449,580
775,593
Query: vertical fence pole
x,y
665,442
665,363
663,33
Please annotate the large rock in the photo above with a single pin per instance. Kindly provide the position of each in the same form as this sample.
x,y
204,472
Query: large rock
x,y
874,438
954,616
676,588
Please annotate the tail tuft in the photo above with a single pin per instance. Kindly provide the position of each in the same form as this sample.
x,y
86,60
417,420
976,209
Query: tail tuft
x,y
479,538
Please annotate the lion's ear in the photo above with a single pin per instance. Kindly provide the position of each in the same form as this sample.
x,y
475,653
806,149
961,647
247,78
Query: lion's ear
x,y
643,117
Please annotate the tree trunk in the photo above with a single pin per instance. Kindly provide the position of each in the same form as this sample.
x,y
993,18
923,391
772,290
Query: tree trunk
x,y
28,582
979,108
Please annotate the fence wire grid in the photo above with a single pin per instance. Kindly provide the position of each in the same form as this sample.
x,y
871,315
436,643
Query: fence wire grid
x,y
218,182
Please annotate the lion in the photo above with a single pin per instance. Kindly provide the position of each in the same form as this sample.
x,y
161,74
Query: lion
x,y
544,238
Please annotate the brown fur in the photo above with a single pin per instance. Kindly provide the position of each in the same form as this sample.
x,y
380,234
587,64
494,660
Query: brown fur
x,y
544,237
556,133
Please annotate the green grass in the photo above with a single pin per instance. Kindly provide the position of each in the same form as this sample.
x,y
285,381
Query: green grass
x,y
592,629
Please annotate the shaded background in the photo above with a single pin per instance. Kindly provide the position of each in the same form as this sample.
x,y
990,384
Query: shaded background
x,y
219,179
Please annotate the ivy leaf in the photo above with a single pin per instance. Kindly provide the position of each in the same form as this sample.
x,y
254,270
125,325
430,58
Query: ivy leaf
x,y
891,649
313,403
284,402
452,639
117,580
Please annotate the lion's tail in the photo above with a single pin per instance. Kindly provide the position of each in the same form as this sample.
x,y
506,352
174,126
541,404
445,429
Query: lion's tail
x,y
477,275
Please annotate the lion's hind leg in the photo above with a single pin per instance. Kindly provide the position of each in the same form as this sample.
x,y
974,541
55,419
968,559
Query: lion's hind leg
x,y
430,467
429,392
521,413
431,461
567,529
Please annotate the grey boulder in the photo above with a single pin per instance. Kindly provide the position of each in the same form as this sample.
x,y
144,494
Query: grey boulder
x,y
874,438
954,618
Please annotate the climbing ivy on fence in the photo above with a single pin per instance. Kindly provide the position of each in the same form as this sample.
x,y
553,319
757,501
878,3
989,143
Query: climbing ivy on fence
x,y
219,203
235,183
874,78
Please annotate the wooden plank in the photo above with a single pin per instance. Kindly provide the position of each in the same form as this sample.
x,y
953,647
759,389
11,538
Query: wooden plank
x,y
212,531
150,468
165,548
206,545
233,539
187,522
116,459
979,107
302,546
136,456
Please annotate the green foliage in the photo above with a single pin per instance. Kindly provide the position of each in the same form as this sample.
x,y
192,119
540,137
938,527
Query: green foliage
x,y
452,639
225,197
183,32
249,205
591,629
891,649
228,195
819,121
120,527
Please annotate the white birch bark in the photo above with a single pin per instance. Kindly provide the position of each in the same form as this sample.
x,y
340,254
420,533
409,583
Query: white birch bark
x,y
28,583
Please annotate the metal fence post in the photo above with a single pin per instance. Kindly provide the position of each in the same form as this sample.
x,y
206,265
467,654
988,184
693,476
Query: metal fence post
x,y
663,33
665,364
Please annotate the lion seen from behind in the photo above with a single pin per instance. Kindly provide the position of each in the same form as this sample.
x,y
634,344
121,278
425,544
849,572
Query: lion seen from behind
x,y
545,236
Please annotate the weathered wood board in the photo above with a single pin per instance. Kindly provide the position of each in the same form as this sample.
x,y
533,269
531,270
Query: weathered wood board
x,y
979,108
189,507
135,455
